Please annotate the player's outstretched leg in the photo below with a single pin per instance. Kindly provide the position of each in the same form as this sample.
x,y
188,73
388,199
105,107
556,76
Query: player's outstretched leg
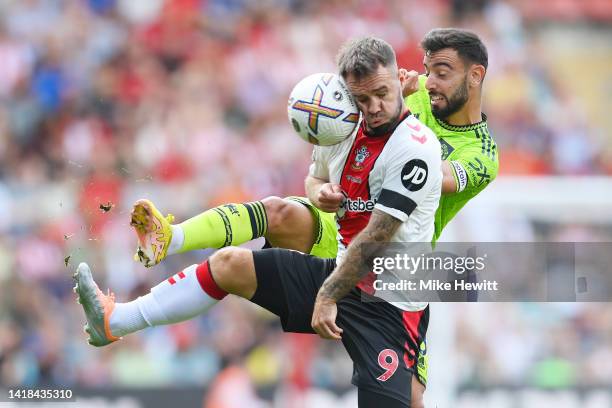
x,y
284,222
225,225
181,297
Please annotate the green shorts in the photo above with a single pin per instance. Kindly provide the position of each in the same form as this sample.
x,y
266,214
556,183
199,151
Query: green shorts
x,y
326,243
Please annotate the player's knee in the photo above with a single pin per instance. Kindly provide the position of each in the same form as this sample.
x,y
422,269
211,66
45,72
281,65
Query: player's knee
x,y
222,265
278,211
233,271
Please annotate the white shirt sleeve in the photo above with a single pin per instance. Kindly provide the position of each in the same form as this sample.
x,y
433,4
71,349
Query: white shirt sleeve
x,y
319,167
412,169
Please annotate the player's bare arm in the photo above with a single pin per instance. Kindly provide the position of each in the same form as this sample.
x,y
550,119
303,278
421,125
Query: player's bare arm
x,y
353,268
449,184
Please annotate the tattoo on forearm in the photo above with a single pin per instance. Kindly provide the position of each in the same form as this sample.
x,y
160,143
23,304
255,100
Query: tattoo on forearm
x,y
356,262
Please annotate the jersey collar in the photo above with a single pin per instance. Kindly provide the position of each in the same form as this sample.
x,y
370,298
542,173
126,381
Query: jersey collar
x,y
463,128
390,132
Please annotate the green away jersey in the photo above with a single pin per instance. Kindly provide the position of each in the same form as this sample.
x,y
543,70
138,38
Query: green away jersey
x,y
470,150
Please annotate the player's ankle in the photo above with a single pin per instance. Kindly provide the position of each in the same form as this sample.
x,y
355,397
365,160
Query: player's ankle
x,y
177,240
126,318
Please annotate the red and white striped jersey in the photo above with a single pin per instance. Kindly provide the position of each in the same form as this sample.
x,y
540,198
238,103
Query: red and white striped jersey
x,y
399,173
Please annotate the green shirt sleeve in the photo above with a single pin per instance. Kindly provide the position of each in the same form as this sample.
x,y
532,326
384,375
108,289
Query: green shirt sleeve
x,y
473,169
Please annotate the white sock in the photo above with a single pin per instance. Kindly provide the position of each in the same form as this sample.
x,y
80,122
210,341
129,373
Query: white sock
x,y
166,303
178,237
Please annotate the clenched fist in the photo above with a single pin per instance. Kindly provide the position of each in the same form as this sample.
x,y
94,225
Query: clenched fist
x,y
330,197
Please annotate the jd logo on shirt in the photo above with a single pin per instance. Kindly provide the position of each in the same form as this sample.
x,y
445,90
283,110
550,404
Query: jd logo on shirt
x,y
414,175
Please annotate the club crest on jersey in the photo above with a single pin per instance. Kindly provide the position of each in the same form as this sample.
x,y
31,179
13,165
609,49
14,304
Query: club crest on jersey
x,y
447,149
360,157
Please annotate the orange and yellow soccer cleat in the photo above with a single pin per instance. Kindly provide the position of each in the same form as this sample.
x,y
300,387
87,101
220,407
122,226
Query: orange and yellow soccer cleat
x,y
153,231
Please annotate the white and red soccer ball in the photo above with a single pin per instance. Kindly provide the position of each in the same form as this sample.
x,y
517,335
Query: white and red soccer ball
x,y
321,109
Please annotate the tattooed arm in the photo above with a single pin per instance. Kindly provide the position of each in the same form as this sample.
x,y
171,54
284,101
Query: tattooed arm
x,y
354,266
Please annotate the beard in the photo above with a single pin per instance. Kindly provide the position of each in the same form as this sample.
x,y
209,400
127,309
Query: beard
x,y
391,124
454,103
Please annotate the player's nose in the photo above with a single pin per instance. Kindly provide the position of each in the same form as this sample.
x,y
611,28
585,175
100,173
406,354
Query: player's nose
x,y
374,107
430,84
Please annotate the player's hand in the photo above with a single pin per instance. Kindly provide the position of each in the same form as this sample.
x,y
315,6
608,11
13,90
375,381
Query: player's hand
x,y
330,197
324,319
411,82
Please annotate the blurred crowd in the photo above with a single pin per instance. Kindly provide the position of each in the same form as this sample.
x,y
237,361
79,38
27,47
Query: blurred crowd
x,y
551,346
183,101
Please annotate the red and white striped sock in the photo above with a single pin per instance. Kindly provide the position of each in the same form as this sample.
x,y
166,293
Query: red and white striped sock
x,y
181,297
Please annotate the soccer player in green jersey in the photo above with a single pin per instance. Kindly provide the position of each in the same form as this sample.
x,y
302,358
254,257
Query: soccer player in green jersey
x,y
447,99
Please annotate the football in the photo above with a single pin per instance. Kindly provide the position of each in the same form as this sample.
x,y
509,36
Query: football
x,y
322,110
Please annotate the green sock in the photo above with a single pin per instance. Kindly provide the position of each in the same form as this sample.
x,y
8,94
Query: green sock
x,y
226,225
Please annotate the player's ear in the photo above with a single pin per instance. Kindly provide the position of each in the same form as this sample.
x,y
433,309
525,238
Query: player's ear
x,y
476,75
402,75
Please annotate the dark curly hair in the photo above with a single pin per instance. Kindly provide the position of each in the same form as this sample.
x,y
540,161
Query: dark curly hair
x,y
468,45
